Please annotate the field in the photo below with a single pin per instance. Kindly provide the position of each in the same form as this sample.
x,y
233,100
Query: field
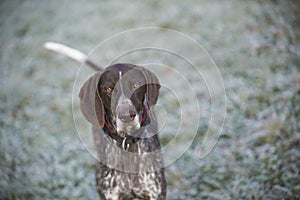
x,y
244,86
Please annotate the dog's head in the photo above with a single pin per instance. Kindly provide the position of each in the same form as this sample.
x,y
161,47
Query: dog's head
x,y
121,95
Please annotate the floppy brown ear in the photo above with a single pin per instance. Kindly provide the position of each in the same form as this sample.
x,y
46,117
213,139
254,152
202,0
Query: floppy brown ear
x,y
153,86
90,102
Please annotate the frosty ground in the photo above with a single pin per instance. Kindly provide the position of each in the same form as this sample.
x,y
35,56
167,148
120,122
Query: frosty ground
x,y
255,46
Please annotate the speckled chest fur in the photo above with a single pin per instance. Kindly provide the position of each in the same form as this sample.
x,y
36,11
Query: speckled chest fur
x,y
112,183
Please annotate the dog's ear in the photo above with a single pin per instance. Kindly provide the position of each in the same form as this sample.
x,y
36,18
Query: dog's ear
x,y
90,101
153,86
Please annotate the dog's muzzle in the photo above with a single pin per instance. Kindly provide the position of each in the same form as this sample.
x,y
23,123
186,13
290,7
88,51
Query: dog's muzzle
x,y
126,112
127,118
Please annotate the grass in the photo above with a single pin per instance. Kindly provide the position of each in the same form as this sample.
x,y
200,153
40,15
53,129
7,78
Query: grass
x,y
255,45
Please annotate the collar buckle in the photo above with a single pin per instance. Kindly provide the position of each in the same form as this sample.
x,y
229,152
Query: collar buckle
x,y
125,146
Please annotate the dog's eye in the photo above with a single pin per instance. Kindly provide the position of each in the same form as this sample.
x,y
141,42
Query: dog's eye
x,y
108,90
136,86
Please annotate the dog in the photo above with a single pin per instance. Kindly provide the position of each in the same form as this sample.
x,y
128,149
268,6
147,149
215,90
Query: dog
x,y
119,102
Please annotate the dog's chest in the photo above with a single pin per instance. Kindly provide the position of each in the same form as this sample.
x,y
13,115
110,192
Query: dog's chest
x,y
122,185
116,182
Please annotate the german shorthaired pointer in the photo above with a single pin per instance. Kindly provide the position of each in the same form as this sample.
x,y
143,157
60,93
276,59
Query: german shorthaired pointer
x,y
118,102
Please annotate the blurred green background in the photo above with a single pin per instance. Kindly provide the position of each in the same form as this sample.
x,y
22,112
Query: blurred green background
x,y
255,45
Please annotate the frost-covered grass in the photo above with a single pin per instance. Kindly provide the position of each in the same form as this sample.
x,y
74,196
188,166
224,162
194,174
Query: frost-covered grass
x,y
255,45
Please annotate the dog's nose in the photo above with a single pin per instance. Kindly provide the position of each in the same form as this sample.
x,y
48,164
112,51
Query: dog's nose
x,y
127,116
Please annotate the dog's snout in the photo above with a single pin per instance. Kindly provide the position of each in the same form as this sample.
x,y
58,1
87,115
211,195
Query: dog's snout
x,y
126,112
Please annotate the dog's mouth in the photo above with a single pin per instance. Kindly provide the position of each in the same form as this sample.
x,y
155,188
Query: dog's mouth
x,y
125,129
128,121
